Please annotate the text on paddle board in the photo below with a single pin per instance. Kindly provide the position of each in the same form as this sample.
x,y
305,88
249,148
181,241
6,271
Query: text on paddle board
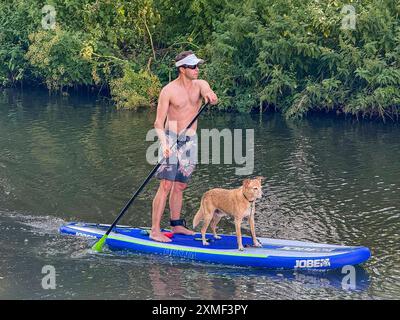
x,y
312,263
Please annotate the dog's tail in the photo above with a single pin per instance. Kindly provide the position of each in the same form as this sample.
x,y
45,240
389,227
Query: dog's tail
x,y
199,215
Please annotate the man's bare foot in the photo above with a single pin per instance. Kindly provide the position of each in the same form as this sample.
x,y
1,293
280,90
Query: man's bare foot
x,y
159,236
182,230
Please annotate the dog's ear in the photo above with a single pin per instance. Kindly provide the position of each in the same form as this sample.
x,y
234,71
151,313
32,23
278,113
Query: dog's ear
x,y
260,178
246,183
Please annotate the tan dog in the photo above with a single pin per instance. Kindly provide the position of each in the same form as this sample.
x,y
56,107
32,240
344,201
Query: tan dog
x,y
238,203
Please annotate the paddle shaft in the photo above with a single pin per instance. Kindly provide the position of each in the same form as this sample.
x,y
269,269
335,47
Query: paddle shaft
x,y
151,174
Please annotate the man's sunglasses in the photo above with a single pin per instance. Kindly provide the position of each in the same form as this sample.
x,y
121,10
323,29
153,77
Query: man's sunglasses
x,y
190,67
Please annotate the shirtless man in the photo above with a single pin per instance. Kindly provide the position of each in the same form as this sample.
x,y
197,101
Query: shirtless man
x,y
178,104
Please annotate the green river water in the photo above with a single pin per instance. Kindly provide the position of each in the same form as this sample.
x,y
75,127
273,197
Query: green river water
x,y
62,159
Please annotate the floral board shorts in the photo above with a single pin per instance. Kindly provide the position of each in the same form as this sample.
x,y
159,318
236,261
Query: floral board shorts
x,y
180,165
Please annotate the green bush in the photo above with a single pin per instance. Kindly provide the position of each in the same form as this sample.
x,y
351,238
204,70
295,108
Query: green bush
x,y
17,20
289,55
293,56
135,89
56,57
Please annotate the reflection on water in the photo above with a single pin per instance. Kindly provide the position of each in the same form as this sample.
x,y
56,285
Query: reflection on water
x,y
66,159
217,282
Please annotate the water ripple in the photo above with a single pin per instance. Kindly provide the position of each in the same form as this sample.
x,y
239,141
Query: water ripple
x,y
327,180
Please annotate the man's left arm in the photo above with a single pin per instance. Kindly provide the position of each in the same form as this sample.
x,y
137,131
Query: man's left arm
x,y
206,92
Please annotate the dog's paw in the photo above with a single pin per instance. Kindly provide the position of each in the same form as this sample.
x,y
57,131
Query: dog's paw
x,y
217,237
257,244
241,248
205,243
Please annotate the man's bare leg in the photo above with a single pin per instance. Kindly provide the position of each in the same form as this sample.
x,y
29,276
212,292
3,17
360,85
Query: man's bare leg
x,y
159,203
175,205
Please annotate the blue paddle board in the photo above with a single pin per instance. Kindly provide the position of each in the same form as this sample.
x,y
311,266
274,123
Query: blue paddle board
x,y
274,253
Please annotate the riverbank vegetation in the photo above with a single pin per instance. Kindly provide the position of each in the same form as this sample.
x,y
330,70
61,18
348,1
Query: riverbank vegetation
x,y
293,56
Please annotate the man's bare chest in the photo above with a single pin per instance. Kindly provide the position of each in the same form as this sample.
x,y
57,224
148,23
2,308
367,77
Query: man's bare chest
x,y
182,99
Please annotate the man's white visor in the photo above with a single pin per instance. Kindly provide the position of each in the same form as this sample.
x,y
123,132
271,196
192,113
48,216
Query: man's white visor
x,y
190,60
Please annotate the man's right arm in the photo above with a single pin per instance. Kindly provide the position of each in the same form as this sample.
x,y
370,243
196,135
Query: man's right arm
x,y
162,110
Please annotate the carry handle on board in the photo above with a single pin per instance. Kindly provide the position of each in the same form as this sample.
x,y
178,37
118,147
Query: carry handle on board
x,y
98,246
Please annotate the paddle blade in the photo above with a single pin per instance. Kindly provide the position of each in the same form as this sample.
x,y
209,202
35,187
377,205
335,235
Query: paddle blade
x,y
98,246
